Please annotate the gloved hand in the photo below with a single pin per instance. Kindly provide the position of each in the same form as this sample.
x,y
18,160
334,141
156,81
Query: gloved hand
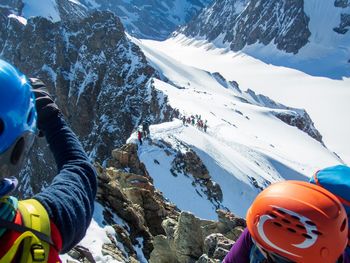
x,y
44,103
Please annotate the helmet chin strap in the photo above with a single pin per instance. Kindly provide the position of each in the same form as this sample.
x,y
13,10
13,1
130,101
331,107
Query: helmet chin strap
x,y
7,185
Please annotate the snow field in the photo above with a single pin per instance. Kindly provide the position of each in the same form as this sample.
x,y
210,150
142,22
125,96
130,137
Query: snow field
x,y
234,149
326,100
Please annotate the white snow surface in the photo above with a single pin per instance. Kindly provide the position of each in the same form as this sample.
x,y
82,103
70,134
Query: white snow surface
x,y
326,100
44,8
96,236
243,141
21,19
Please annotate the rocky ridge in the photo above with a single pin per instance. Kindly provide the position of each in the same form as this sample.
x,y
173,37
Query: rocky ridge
x,y
298,118
283,23
169,235
152,19
100,80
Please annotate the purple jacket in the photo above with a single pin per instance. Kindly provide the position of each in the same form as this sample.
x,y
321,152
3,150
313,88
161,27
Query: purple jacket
x,y
240,251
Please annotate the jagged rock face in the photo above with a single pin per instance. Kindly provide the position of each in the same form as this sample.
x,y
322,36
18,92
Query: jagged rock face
x,y
344,25
217,246
294,117
302,122
282,23
126,190
190,239
100,80
189,163
188,244
12,6
342,3
151,19
70,10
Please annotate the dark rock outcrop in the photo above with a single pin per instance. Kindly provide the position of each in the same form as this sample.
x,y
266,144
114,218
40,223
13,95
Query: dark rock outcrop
x,y
189,163
294,117
169,235
100,80
282,23
151,19
342,3
344,25
302,121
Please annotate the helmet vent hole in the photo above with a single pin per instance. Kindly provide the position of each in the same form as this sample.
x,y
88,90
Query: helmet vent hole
x,y
306,236
286,221
343,225
17,151
316,232
310,223
300,227
272,215
296,218
291,230
2,126
277,224
281,212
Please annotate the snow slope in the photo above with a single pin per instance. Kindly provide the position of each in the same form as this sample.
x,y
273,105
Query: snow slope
x,y
244,143
44,8
96,236
326,100
310,35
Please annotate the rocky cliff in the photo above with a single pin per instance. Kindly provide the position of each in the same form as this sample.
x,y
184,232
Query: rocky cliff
x,y
169,235
100,80
151,19
283,23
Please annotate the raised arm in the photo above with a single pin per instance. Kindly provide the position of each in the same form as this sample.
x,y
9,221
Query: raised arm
x,y
69,200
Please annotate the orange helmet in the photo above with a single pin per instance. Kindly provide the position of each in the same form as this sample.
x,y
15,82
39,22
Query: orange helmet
x,y
299,221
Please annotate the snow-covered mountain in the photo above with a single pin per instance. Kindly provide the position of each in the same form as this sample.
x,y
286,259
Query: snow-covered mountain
x,y
107,82
248,144
151,19
308,35
251,142
143,19
102,87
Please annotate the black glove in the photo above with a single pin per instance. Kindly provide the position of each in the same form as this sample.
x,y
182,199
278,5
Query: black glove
x,y
44,104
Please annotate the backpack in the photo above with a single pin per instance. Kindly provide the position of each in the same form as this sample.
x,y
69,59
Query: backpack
x,y
35,239
335,179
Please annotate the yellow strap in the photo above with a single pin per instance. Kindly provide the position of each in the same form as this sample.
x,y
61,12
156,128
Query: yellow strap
x,y
34,216
13,250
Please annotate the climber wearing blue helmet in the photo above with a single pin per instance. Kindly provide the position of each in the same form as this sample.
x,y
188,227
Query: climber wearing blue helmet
x,y
17,119
56,219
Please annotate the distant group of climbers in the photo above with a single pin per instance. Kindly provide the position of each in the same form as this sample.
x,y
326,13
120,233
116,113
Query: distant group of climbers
x,y
290,221
195,120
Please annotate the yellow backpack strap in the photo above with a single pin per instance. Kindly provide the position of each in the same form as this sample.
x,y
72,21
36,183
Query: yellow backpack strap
x,y
11,253
35,217
36,233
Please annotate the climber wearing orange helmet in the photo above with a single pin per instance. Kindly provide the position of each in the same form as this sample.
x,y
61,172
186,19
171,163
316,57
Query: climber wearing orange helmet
x,y
293,221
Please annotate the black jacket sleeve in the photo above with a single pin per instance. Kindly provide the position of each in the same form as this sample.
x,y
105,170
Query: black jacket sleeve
x,y
69,200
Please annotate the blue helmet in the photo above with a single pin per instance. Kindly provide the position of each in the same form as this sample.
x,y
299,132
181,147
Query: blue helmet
x,y
17,119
